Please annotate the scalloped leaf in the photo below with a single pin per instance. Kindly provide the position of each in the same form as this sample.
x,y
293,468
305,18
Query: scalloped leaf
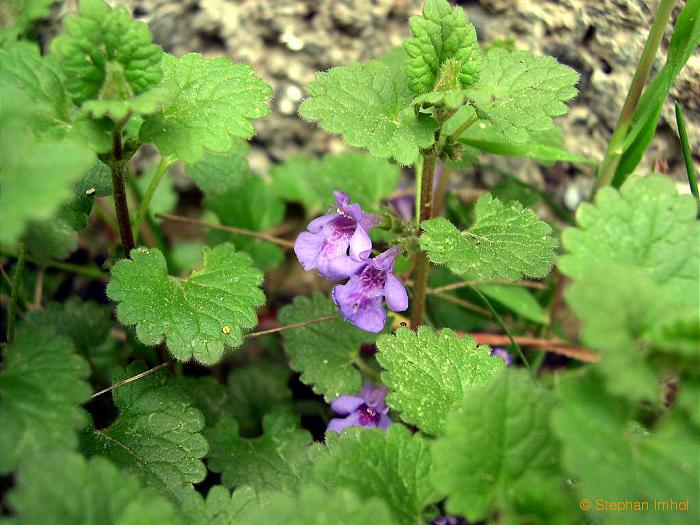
x,y
505,241
42,384
442,34
109,61
520,93
323,352
210,102
157,434
197,317
370,105
428,374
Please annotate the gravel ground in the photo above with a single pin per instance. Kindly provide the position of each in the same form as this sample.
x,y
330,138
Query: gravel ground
x,y
288,41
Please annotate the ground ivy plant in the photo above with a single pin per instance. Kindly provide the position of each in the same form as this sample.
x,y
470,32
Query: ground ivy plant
x,y
353,338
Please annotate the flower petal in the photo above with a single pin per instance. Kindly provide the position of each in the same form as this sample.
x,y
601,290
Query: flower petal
x,y
344,267
307,248
337,424
318,223
369,316
345,404
360,244
385,261
395,293
342,198
384,422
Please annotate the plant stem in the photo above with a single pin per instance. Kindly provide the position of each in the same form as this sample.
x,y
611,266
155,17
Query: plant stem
x,y
161,170
14,294
443,183
422,265
231,229
119,191
467,124
505,328
300,324
651,46
687,155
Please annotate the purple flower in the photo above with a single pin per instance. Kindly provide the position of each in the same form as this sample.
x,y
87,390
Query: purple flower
x,y
503,354
360,300
367,409
329,237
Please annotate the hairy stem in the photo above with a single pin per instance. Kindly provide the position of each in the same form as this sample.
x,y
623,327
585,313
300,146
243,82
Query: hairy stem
x,y
615,147
231,229
14,294
443,183
422,265
119,191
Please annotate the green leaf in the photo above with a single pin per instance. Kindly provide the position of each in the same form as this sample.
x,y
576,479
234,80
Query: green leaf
x,y
646,225
501,432
22,67
42,385
517,299
316,506
109,62
224,508
622,328
19,17
505,241
520,93
277,460
208,395
614,458
196,317
253,206
87,324
484,137
370,105
392,466
157,434
323,352
164,199
37,174
428,374
222,172
66,489
210,102
442,35
311,182
256,390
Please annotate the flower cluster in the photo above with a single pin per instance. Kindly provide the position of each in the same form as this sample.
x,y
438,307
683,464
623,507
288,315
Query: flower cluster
x,y
339,247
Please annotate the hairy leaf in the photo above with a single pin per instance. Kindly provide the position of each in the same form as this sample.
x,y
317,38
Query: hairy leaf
x,y
42,385
370,105
198,316
66,489
277,460
442,35
210,102
323,352
501,432
428,374
645,225
615,458
316,506
392,466
157,434
505,241
109,61
311,182
520,93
